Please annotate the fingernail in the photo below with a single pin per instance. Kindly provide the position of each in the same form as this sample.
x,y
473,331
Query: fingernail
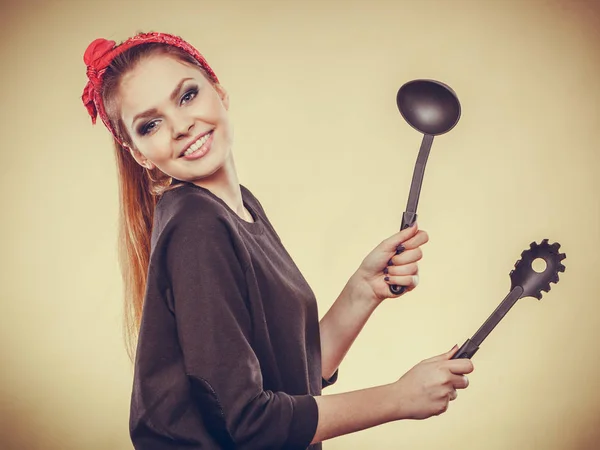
x,y
390,263
387,278
385,270
400,249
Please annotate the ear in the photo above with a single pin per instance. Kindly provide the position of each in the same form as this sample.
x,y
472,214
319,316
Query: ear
x,y
141,159
223,95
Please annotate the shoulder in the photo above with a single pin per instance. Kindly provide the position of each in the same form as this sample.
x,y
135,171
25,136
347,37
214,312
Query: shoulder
x,y
189,218
253,201
256,205
189,202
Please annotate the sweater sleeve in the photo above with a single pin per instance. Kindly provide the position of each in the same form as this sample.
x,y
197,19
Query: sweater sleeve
x,y
331,381
213,320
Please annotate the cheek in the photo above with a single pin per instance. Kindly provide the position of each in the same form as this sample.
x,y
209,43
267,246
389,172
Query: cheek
x,y
211,109
155,147
221,116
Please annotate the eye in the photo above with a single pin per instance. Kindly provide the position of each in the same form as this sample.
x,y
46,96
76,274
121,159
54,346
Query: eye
x,y
147,128
190,95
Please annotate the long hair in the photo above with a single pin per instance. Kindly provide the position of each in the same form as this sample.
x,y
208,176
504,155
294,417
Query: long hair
x,y
139,190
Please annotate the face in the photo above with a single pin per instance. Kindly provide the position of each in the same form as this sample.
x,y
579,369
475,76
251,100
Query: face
x,y
177,120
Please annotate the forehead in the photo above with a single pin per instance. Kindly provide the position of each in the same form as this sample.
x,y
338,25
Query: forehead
x,y
151,82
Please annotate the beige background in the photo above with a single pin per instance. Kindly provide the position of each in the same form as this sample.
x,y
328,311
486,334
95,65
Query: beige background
x,y
320,141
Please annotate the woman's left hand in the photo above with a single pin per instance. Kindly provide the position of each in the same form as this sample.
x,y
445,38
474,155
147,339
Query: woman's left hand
x,y
383,267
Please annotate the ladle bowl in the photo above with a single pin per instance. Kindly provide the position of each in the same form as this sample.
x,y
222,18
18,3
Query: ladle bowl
x,y
429,106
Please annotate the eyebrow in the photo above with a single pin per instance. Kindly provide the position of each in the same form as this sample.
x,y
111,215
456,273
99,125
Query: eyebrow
x,y
153,111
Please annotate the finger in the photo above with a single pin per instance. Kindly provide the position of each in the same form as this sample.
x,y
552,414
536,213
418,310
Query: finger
x,y
459,381
403,270
407,257
410,281
453,394
416,241
419,239
460,366
444,356
390,244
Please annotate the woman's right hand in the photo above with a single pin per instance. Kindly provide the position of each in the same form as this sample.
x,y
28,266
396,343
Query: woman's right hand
x,y
424,391
427,388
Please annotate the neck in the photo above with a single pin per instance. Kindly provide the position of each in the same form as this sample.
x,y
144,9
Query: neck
x,y
225,184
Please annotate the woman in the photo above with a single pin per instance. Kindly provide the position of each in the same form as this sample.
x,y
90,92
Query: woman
x,y
230,352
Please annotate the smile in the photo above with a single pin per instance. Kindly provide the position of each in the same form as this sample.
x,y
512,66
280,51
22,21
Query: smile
x,y
199,147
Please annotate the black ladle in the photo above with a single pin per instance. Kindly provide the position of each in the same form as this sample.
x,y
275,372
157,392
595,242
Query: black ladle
x,y
432,108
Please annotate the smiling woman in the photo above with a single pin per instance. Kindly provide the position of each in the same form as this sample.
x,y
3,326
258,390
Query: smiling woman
x,y
224,330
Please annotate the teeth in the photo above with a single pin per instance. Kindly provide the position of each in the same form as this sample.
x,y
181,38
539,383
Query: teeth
x,y
196,145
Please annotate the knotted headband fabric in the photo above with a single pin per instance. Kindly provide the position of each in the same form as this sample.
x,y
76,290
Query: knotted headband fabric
x,y
100,54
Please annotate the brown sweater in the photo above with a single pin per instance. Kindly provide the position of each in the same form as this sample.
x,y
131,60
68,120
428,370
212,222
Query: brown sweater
x,y
229,352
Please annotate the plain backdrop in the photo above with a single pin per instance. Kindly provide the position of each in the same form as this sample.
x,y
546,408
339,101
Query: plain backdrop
x,y
320,141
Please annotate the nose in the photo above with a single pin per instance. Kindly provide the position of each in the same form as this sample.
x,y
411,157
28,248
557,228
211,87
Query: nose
x,y
182,125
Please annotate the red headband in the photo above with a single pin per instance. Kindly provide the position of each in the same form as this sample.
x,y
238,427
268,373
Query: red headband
x,y
100,54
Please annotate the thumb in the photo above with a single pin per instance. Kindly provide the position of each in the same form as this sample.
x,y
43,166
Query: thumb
x,y
390,244
444,356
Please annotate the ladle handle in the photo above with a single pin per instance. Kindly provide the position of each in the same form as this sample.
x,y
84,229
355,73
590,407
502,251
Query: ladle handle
x,y
466,351
410,215
408,218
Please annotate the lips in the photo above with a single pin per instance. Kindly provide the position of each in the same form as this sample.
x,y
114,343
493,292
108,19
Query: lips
x,y
196,139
